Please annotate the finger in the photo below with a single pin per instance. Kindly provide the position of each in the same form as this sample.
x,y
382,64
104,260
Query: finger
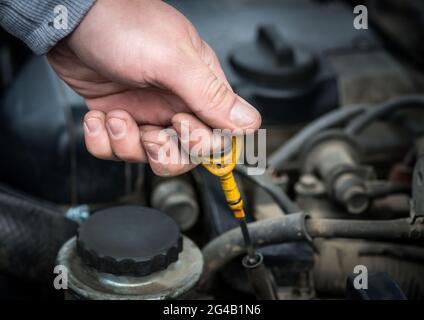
x,y
146,106
96,136
210,98
198,139
124,136
163,152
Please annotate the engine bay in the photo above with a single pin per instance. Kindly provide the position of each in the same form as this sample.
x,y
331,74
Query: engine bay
x,y
339,200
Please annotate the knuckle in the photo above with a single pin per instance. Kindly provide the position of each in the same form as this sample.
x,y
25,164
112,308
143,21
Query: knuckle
x,y
118,113
162,171
100,154
94,114
128,156
217,93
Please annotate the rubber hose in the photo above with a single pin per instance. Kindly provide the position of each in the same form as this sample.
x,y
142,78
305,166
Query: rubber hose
x,y
275,192
295,227
293,146
30,238
387,189
361,122
230,244
398,229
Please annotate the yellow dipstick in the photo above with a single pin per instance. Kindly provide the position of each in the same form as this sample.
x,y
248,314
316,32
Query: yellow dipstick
x,y
232,194
223,167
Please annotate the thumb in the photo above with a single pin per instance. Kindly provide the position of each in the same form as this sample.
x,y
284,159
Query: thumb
x,y
212,100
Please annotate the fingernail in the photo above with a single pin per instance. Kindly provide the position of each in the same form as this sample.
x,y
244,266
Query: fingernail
x,y
92,126
117,127
152,150
243,114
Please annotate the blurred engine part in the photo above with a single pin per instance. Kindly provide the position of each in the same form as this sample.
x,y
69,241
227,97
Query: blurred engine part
x,y
336,160
276,73
380,286
403,262
401,25
271,60
31,234
418,182
43,135
177,198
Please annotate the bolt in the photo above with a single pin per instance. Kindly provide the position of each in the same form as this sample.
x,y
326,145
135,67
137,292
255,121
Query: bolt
x,y
308,181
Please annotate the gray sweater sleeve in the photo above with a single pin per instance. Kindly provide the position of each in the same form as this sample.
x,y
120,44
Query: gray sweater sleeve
x,y
42,23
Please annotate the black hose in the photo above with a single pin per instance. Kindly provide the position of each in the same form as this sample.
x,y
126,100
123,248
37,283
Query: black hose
x,y
377,191
360,123
293,146
25,197
295,227
30,237
276,193
398,229
230,244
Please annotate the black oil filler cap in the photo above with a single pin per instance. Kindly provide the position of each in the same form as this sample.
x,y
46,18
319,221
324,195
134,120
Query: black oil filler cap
x,y
271,60
129,240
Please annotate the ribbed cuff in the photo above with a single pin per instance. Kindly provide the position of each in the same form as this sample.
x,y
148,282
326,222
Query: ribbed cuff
x,y
37,23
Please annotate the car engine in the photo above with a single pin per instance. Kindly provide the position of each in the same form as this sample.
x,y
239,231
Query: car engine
x,y
338,208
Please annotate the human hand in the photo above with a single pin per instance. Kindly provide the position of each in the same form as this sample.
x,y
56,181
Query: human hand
x,y
141,67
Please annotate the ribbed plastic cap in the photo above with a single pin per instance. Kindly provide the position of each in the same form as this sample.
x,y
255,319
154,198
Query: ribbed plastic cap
x,y
129,240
